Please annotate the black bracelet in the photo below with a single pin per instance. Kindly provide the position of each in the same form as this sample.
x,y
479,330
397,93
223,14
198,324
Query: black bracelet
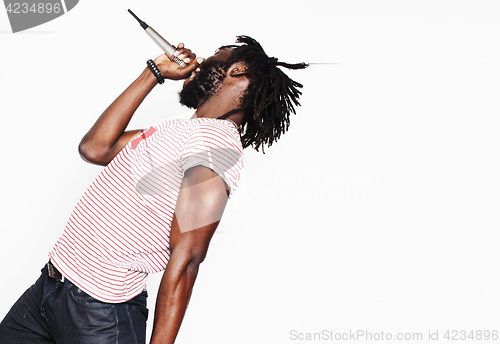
x,y
156,72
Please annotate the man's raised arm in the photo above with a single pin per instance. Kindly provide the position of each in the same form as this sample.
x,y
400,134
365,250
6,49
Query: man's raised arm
x,y
108,136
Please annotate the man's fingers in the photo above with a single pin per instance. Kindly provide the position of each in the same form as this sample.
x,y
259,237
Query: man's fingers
x,y
185,55
171,70
192,66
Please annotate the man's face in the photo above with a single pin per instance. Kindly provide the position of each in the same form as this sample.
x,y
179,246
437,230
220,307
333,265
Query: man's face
x,y
204,84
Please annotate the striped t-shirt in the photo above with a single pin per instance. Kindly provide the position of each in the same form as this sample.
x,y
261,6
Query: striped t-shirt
x,y
120,229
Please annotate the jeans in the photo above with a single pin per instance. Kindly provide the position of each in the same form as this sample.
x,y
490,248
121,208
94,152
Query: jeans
x,y
57,312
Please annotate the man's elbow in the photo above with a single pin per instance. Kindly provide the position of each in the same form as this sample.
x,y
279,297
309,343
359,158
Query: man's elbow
x,y
191,257
192,265
198,256
91,155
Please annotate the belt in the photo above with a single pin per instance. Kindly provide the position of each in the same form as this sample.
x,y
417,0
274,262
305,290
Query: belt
x,y
54,273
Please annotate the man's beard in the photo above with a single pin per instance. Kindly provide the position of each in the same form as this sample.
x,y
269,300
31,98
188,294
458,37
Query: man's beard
x,y
204,85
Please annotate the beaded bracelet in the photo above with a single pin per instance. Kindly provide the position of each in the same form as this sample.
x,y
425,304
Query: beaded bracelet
x,y
156,72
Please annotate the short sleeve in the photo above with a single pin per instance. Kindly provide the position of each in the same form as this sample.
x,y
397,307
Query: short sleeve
x,y
214,145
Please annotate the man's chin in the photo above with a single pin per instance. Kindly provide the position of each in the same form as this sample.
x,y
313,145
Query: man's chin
x,y
188,100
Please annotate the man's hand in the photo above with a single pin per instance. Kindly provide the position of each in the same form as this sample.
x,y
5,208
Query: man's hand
x,y
171,70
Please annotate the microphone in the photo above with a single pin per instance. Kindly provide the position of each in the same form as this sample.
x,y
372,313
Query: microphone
x,y
167,48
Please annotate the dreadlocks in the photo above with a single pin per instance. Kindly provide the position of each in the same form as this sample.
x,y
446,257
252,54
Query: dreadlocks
x,y
270,97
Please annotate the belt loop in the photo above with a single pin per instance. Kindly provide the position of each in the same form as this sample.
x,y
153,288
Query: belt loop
x,y
54,273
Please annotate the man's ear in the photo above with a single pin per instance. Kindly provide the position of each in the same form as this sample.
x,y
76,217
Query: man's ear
x,y
238,69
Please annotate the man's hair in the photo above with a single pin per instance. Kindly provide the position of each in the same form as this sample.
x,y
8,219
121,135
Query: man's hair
x,y
270,97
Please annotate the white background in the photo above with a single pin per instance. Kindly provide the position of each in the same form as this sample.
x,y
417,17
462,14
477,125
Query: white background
x,y
379,209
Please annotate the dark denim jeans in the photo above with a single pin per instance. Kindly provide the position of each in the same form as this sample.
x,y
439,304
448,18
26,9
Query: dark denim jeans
x,y
51,311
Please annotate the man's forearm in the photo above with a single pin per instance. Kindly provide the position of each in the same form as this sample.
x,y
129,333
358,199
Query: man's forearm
x,y
172,300
107,136
102,139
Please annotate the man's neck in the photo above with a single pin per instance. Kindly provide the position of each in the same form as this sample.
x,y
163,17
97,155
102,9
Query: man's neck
x,y
212,111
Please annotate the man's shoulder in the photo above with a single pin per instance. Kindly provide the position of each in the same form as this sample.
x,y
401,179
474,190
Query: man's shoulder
x,y
215,129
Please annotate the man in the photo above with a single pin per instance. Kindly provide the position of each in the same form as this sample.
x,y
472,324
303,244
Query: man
x,y
158,200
